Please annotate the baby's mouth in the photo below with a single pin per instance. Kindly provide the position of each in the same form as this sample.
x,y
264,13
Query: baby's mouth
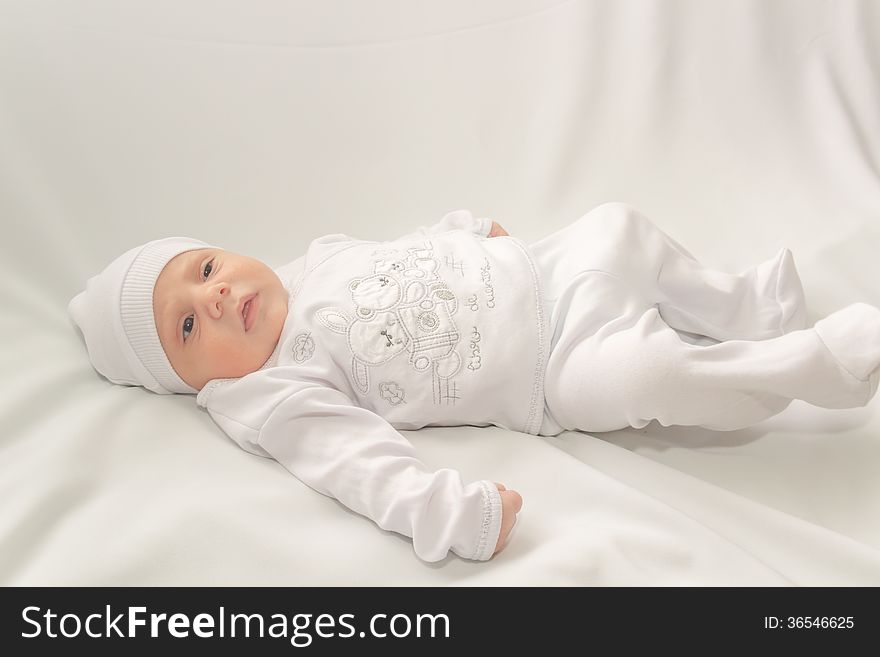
x,y
249,311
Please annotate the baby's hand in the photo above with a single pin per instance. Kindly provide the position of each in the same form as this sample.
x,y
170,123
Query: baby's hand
x,y
511,503
497,231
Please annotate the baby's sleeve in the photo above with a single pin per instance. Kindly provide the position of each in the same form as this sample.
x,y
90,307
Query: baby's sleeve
x,y
459,220
351,454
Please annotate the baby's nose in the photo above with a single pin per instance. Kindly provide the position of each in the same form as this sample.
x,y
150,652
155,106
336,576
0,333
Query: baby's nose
x,y
215,298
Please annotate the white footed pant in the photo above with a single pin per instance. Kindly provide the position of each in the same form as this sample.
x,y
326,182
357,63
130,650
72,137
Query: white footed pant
x,y
641,331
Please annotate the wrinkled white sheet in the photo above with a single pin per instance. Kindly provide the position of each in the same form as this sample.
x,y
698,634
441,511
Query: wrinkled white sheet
x,y
738,127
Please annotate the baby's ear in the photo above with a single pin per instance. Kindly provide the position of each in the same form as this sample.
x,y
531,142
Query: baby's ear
x,y
335,319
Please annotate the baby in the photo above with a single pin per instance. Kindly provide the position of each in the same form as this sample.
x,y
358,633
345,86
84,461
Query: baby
x,y
604,324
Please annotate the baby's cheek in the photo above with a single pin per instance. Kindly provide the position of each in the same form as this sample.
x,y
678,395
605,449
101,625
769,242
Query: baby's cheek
x,y
249,358
225,357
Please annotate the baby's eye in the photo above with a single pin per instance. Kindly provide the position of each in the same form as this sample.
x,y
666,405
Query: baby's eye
x,y
188,326
209,267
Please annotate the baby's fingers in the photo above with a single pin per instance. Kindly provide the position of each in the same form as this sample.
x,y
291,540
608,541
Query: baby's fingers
x,y
514,498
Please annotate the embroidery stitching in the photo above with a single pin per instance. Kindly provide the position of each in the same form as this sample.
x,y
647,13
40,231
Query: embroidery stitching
x,y
402,306
454,264
476,359
445,392
303,347
391,392
488,288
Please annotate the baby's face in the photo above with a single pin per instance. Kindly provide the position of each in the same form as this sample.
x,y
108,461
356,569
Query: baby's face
x,y
218,314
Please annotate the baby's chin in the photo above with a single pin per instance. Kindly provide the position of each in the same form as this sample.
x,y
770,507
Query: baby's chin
x,y
231,370
235,373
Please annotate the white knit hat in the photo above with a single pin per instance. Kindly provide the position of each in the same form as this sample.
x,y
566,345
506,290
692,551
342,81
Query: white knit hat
x,y
115,315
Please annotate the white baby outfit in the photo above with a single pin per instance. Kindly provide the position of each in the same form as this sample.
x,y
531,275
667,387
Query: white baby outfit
x,y
604,324
642,331
442,327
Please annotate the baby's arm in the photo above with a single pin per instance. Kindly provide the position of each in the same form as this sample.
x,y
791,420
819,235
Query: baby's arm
x,y
357,457
461,220
354,455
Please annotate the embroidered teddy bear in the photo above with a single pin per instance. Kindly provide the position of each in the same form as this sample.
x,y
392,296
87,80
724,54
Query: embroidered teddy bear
x,y
402,306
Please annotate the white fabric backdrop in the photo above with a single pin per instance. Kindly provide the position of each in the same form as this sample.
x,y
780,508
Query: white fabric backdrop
x,y
738,127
